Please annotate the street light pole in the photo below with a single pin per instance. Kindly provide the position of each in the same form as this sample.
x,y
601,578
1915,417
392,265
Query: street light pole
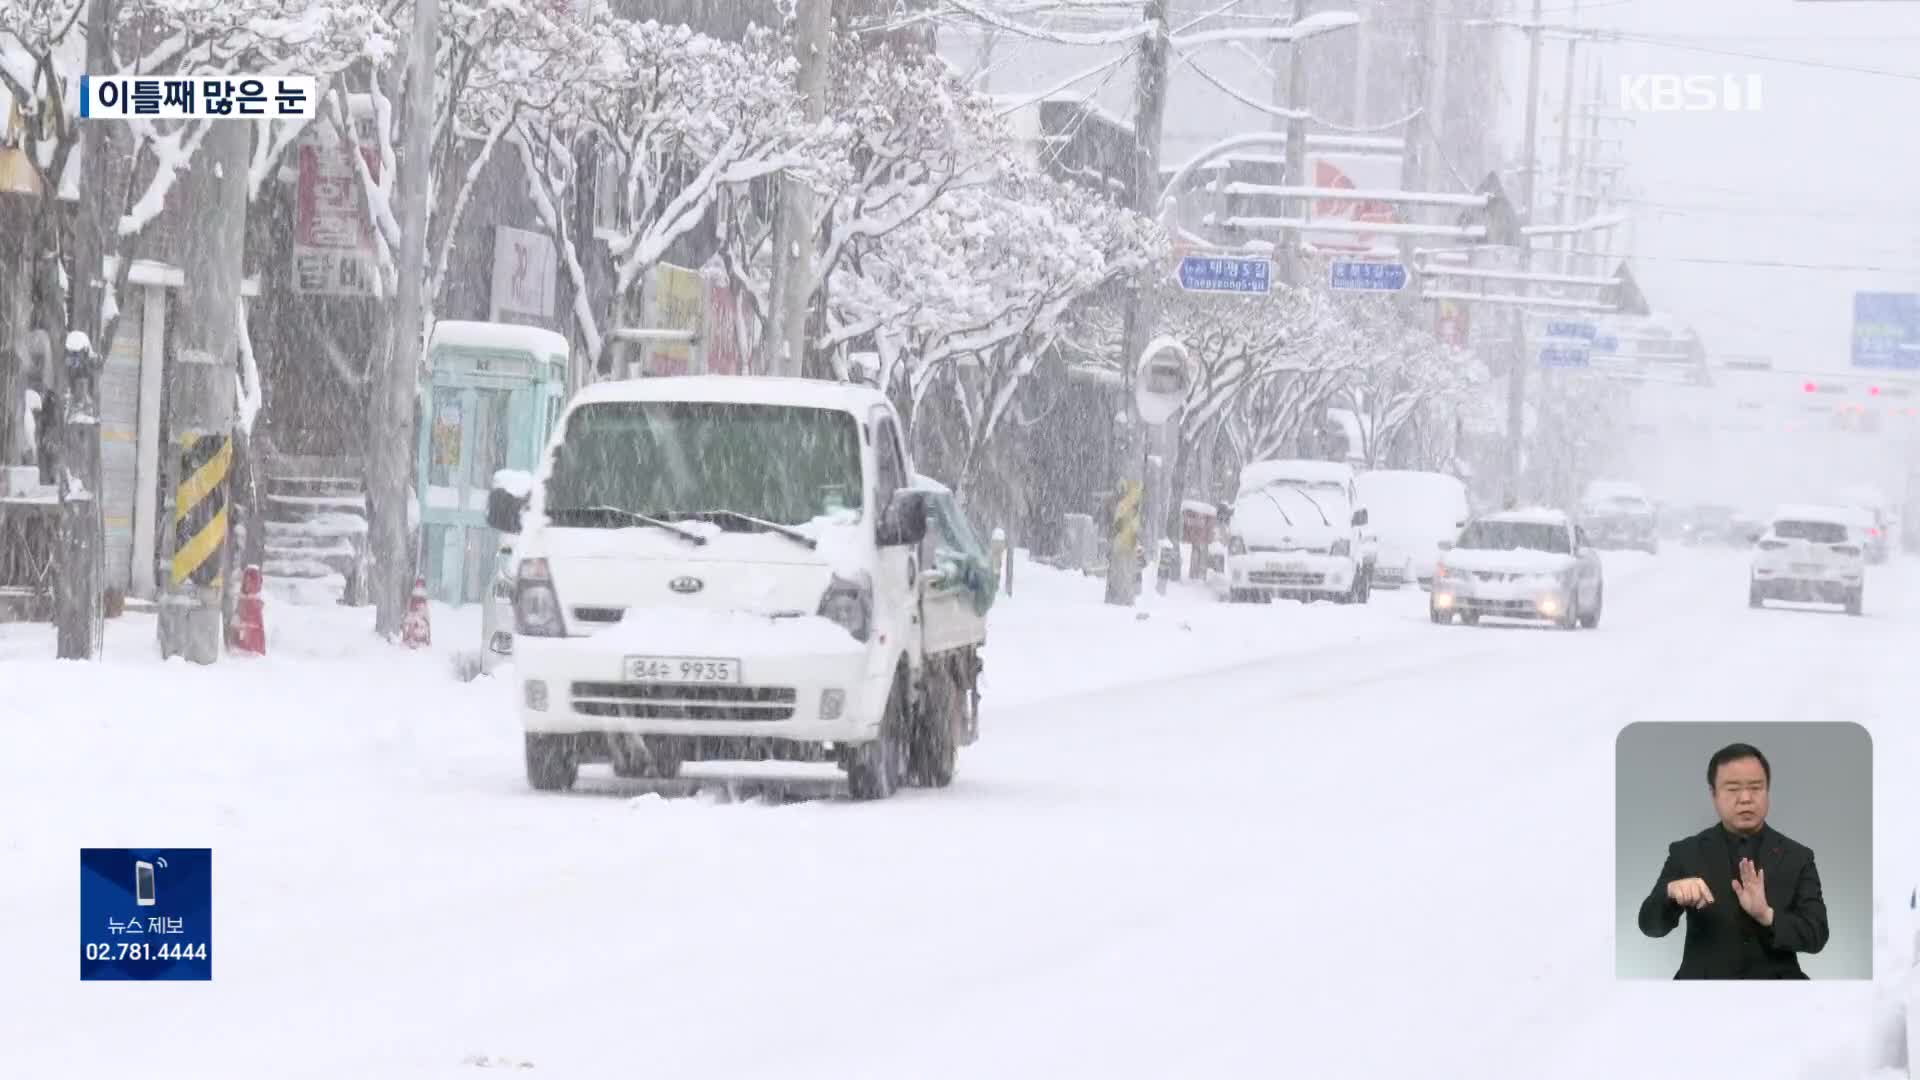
x,y
1517,374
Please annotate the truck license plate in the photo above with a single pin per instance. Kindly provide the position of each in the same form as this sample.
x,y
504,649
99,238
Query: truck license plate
x,y
682,669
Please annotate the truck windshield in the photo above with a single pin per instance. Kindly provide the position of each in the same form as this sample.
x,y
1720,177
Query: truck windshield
x,y
666,459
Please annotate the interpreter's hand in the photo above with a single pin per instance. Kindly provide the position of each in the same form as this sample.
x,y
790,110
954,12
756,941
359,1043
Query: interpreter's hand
x,y
1750,888
1690,892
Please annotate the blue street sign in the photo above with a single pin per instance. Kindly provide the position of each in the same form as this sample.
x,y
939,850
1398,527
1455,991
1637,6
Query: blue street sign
x,y
1565,328
1606,343
1209,273
1886,330
1564,356
1367,276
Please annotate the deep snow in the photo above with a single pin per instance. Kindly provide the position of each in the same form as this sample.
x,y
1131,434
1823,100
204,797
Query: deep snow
x,y
1195,839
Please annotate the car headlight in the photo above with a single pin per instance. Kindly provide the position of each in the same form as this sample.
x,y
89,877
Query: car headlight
x,y
1236,545
1342,547
536,607
849,602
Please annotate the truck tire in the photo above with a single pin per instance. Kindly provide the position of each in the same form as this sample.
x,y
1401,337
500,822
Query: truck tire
x,y
553,764
1755,598
933,753
1857,601
876,768
1591,619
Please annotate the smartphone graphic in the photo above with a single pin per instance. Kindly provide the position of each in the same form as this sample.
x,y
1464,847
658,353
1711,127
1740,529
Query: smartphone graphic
x,y
143,884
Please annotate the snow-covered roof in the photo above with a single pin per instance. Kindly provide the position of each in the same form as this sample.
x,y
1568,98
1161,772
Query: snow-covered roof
x,y
737,390
1532,515
1410,482
1261,473
923,482
1832,515
510,337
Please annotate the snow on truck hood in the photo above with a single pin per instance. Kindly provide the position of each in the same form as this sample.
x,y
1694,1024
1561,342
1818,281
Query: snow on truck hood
x,y
736,571
1521,561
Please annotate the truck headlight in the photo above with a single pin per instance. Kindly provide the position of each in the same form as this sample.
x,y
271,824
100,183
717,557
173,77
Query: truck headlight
x,y
849,602
536,607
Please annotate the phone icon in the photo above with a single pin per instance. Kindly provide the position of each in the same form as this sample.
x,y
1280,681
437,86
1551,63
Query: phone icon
x,y
143,884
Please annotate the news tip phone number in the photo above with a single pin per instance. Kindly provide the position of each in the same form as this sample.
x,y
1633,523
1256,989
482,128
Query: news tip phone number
x,y
140,950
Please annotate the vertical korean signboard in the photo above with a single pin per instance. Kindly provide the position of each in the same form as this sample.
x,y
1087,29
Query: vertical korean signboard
x,y
333,241
523,273
721,337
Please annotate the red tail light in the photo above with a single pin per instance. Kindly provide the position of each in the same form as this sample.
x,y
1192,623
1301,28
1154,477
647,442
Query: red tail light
x,y
1811,388
1873,532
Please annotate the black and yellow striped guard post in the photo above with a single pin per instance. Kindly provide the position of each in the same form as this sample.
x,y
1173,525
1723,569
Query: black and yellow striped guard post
x,y
200,509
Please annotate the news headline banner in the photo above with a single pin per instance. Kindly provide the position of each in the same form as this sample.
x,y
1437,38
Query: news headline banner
x,y
205,97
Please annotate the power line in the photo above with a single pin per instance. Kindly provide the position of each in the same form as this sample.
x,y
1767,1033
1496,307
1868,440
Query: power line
x,y
1779,264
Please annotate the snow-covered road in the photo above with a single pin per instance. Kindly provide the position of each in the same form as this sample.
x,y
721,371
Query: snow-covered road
x,y
1214,841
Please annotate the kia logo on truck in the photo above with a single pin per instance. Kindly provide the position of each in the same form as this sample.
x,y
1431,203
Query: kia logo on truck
x,y
686,584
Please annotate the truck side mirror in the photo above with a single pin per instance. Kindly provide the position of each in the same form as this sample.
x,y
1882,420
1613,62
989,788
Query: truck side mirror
x,y
904,522
504,509
1360,516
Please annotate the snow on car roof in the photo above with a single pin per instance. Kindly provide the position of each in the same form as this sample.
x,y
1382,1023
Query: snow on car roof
x,y
923,482
1831,515
463,334
1536,515
1261,473
737,390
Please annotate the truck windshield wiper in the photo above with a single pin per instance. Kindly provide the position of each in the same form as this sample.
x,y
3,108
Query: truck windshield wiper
x,y
717,516
1311,501
1284,516
629,516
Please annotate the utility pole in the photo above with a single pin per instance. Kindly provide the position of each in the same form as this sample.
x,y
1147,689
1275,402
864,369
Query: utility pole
x,y
1414,151
784,339
1562,176
1517,375
79,614
390,435
200,395
1149,105
1290,270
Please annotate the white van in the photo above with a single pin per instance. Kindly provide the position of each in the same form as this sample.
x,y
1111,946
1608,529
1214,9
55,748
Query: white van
x,y
1295,531
731,568
1411,514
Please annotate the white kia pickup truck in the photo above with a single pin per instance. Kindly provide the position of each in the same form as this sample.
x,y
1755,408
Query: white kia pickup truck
x,y
729,568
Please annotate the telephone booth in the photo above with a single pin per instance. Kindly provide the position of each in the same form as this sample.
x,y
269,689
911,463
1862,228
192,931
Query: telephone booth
x,y
494,394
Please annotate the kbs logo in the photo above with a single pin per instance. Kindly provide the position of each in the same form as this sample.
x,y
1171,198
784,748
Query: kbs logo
x,y
1690,93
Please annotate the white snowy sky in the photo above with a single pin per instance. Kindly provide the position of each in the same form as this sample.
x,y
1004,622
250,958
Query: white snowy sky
x,y
1827,172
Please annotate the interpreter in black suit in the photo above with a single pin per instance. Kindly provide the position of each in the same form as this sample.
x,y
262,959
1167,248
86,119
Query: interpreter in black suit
x,y
1751,895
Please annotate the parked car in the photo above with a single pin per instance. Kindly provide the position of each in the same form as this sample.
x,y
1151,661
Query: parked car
x,y
1295,530
1409,515
1520,564
1809,554
1617,514
730,568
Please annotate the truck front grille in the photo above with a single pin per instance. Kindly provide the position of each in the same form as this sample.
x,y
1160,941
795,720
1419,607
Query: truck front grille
x,y
683,701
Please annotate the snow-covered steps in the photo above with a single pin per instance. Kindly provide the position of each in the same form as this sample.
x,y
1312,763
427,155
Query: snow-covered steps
x,y
316,511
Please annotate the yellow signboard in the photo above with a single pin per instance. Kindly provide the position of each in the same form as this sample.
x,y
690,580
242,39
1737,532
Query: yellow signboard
x,y
17,174
679,300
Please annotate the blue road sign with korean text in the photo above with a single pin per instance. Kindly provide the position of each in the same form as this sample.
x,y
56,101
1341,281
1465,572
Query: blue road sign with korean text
x,y
1367,276
1564,356
1211,273
1568,328
1886,331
